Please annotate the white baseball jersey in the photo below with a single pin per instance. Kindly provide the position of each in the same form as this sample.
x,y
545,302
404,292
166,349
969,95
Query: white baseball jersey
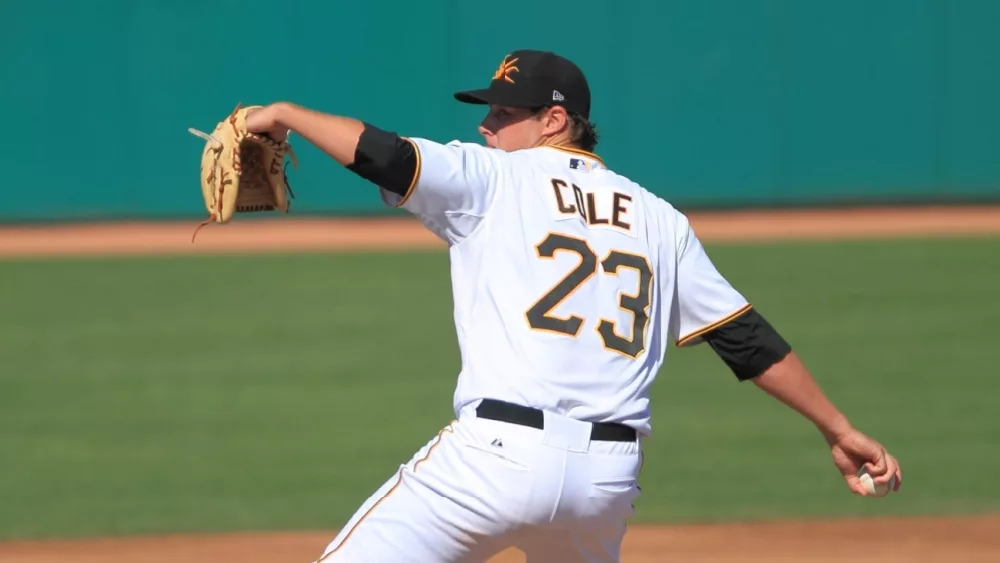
x,y
568,279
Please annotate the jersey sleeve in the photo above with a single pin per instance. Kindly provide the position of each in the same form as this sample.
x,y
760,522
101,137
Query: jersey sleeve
x,y
703,298
453,187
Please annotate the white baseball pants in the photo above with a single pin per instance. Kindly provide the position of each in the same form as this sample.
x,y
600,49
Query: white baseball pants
x,y
481,486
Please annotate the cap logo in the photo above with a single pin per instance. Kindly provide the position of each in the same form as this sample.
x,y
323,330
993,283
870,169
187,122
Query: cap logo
x,y
557,96
505,69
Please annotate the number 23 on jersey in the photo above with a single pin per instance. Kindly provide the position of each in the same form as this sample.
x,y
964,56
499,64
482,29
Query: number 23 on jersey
x,y
540,315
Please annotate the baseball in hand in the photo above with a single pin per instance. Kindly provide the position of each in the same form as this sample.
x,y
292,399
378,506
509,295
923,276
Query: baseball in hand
x,y
871,487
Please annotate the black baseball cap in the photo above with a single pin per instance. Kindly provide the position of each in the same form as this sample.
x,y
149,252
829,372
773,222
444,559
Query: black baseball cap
x,y
529,79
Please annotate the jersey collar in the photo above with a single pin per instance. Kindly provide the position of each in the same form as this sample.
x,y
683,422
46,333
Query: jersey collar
x,y
593,158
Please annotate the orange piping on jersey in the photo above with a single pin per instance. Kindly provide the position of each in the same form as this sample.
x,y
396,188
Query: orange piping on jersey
x,y
416,175
714,325
388,493
573,150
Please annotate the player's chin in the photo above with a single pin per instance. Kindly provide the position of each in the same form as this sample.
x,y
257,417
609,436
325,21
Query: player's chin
x,y
491,141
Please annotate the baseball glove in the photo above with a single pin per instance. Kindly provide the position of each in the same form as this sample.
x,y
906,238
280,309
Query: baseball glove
x,y
242,172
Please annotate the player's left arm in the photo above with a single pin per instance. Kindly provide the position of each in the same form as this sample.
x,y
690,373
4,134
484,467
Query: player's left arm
x,y
449,186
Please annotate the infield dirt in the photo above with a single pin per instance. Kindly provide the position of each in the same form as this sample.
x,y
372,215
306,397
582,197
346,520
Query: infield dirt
x,y
954,539
322,235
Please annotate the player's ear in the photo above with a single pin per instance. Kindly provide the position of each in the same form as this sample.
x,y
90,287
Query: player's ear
x,y
556,120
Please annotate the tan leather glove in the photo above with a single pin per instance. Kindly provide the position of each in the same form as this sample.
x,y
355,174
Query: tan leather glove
x,y
242,172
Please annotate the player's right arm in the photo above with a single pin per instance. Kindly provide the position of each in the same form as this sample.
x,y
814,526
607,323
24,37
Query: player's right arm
x,y
790,382
708,309
450,187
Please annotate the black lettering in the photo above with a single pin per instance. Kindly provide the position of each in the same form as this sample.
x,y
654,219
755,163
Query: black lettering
x,y
557,185
618,210
637,304
538,315
592,211
580,206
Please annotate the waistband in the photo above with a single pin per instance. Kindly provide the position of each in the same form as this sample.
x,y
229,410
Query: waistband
x,y
503,411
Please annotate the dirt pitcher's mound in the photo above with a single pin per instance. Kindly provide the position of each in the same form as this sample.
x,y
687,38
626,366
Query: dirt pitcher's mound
x,y
953,540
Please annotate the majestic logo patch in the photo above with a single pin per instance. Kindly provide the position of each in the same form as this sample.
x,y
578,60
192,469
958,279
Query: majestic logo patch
x,y
505,69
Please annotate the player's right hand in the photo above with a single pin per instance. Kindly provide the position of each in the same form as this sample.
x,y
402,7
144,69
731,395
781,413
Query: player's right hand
x,y
853,450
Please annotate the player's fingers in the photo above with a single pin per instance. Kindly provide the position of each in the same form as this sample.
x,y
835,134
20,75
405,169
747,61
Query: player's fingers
x,y
879,465
871,468
891,466
854,483
899,476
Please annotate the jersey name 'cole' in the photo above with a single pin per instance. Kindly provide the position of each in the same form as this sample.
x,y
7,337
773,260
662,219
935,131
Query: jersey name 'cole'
x,y
571,200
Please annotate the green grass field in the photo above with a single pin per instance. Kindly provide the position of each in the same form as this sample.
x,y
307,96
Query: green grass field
x,y
166,395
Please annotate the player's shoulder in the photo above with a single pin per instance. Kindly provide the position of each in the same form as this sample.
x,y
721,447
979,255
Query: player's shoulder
x,y
456,145
651,200
475,159
455,148
669,220
467,145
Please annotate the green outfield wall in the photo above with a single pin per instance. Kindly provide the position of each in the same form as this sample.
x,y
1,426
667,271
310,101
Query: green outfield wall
x,y
707,102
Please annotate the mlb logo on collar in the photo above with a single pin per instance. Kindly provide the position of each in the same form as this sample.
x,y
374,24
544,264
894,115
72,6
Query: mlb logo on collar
x,y
579,164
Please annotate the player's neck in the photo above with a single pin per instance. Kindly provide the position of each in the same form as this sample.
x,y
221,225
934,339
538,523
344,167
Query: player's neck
x,y
559,140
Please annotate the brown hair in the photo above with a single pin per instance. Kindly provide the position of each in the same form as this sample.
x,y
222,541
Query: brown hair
x,y
582,132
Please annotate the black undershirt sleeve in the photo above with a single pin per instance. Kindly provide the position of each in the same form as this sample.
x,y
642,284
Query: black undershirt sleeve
x,y
748,344
385,159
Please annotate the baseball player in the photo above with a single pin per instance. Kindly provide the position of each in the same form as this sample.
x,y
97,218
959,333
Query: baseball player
x,y
568,280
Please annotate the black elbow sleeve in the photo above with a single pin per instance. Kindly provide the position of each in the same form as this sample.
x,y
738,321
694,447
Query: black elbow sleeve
x,y
385,159
748,344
